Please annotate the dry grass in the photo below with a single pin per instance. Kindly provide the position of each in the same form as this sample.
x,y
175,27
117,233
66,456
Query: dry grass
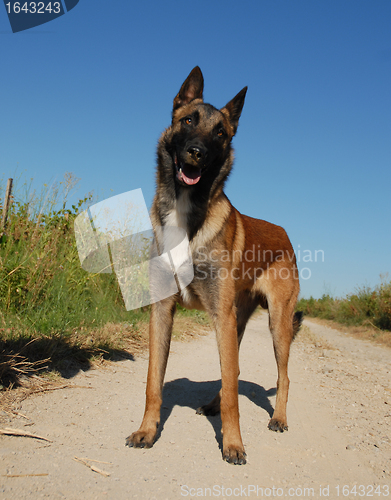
x,y
21,358
112,338
15,365
364,332
185,328
11,398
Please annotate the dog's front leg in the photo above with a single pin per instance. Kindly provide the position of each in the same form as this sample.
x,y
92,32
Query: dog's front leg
x,y
233,449
160,328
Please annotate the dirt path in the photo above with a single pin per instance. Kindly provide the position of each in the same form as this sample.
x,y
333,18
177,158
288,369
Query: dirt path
x,y
339,415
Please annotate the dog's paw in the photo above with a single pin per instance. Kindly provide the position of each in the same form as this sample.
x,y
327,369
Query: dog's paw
x,y
208,411
234,456
212,408
140,439
277,426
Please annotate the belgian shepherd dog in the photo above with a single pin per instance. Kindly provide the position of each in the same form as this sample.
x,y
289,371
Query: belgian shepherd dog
x,y
239,262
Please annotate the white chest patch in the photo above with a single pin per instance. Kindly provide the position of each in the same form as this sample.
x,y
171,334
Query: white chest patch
x,y
178,216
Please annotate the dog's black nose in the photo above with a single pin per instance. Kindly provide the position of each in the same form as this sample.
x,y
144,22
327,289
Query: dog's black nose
x,y
196,153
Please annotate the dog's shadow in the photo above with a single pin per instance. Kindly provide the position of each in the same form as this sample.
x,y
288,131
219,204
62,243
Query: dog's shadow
x,y
185,392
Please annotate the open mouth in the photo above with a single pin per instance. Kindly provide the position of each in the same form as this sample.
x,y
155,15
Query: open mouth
x,y
188,174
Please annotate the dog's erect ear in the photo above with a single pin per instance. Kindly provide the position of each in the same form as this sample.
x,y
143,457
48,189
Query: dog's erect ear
x,y
191,89
234,108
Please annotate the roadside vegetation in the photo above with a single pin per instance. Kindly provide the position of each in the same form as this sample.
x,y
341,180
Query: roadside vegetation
x,y
54,315
366,308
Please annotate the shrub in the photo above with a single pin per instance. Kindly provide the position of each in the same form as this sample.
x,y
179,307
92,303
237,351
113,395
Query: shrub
x,y
367,305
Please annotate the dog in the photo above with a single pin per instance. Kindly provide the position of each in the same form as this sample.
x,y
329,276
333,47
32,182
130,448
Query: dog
x,y
239,262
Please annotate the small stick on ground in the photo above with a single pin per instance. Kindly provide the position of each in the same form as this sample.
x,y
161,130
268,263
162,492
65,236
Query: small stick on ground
x,y
92,460
92,467
25,475
21,433
20,414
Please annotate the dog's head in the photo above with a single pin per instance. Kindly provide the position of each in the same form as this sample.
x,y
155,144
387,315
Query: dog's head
x,y
200,134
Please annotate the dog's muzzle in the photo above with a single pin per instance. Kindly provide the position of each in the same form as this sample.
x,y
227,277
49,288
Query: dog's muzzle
x,y
186,173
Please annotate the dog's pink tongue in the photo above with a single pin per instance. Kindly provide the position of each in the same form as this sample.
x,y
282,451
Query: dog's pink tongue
x,y
192,177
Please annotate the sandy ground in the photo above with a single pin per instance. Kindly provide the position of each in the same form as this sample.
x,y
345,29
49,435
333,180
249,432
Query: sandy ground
x,y
338,444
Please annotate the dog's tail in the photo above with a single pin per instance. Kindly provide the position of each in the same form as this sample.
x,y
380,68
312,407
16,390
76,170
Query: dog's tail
x,y
297,320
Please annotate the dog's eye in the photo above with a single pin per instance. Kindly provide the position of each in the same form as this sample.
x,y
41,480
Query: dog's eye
x,y
188,120
221,132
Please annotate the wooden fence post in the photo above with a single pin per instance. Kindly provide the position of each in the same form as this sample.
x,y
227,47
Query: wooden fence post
x,y
7,201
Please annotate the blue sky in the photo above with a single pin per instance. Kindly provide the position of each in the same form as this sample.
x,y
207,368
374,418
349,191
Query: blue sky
x,y
91,91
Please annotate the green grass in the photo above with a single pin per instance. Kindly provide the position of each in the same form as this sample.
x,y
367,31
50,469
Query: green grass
x,y
42,285
368,306
199,317
48,304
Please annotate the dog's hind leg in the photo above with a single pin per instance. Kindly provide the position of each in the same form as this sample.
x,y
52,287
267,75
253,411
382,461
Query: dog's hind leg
x,y
281,319
160,328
